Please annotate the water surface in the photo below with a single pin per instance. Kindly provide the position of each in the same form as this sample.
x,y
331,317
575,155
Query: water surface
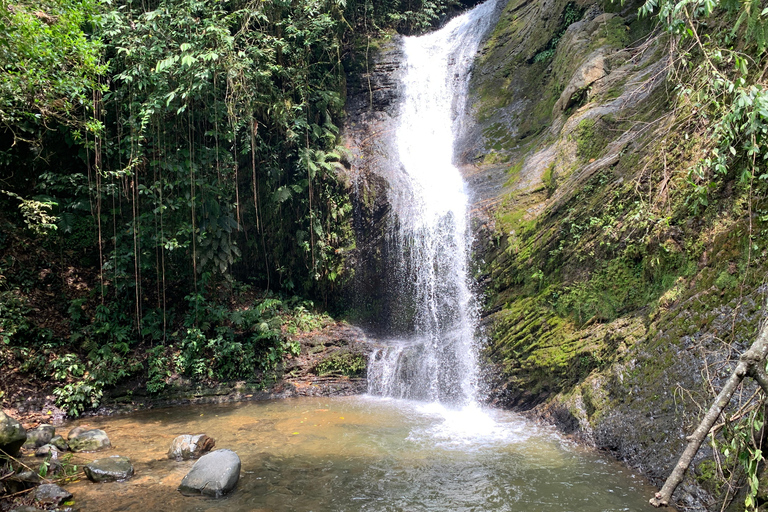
x,y
362,454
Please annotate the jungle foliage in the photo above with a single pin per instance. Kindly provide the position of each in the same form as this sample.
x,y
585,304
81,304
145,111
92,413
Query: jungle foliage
x,y
722,82
172,153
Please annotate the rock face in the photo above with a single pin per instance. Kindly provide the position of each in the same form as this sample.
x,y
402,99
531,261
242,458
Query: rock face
x,y
51,495
571,129
39,436
190,447
109,469
12,435
215,474
374,94
89,441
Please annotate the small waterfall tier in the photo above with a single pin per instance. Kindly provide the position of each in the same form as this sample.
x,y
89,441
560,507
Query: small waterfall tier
x,y
429,238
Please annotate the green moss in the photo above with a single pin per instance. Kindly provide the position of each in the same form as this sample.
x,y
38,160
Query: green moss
x,y
549,179
346,364
587,142
614,33
725,280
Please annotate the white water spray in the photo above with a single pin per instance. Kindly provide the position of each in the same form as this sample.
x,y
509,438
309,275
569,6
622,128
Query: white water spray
x,y
430,218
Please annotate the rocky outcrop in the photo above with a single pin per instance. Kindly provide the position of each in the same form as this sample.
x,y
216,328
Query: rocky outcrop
x,y
331,361
110,469
214,474
12,435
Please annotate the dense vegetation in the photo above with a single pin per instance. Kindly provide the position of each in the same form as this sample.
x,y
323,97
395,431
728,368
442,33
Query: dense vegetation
x,y
170,176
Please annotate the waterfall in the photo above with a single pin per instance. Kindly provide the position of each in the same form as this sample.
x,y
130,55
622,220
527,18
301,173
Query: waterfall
x,y
429,239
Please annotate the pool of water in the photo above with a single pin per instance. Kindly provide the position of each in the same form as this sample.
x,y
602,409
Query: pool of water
x,y
362,454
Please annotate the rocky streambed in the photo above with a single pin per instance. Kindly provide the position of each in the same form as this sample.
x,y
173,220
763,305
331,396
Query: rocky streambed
x,y
36,461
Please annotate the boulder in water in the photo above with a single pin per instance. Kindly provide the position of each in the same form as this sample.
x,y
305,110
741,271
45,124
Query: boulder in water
x,y
190,447
12,435
214,474
39,436
51,495
89,441
109,469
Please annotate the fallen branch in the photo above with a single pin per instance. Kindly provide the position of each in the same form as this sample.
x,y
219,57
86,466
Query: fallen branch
x,y
749,365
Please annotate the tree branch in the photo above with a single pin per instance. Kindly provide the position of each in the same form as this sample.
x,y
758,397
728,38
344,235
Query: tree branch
x,y
749,364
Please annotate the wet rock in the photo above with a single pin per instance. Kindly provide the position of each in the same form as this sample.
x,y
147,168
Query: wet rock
x,y
59,443
29,478
109,469
39,436
45,450
190,447
76,432
588,73
12,435
89,441
51,495
214,474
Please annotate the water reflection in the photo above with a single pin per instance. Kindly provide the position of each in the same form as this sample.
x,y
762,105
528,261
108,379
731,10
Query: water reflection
x,y
363,454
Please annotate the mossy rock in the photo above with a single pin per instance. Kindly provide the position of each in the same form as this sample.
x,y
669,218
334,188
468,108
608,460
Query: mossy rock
x,y
12,435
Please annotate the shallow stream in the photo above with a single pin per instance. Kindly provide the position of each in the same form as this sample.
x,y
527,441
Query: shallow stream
x,y
362,454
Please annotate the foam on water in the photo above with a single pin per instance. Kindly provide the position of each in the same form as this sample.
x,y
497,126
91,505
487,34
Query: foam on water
x,y
471,426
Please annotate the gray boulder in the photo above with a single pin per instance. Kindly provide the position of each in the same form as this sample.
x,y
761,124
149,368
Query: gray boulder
x,y
89,441
39,436
51,495
47,449
59,443
109,469
214,474
12,435
29,478
190,447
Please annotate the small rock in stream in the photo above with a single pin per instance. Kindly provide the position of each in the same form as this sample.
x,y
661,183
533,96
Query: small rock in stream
x,y
12,435
76,432
109,469
45,450
89,441
51,495
59,443
190,447
214,474
39,436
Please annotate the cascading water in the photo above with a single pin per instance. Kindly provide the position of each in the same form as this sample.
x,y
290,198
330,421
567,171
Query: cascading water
x,y
430,235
